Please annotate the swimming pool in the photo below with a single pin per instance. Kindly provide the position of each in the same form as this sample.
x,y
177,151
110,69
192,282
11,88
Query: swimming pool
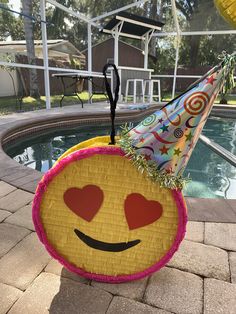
x,y
211,175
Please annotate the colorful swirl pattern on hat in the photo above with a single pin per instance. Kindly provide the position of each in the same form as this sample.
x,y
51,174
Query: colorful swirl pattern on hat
x,y
169,135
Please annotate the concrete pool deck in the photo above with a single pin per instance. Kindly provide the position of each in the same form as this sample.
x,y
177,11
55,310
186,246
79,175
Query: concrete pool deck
x,y
200,278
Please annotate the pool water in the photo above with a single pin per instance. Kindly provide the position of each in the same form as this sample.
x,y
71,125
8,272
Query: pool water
x,y
211,175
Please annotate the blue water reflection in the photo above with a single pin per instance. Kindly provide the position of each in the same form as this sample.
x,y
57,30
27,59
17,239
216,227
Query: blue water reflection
x,y
211,175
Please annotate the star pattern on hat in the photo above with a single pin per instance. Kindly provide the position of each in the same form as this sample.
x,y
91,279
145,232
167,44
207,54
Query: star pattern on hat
x,y
210,80
164,128
164,150
147,157
177,152
188,137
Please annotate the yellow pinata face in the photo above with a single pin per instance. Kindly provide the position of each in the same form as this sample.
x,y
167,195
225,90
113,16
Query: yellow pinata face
x,y
101,215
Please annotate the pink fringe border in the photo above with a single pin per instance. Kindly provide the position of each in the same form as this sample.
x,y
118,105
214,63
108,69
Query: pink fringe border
x,y
42,187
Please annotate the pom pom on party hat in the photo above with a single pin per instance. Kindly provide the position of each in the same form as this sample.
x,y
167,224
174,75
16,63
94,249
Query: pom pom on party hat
x,y
163,142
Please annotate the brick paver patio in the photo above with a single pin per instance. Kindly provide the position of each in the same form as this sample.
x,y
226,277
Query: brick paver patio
x,y
201,278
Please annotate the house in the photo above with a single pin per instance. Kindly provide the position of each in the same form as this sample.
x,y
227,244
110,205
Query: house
x,y
103,53
58,50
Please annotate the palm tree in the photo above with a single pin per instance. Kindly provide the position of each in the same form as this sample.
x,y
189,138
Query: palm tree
x,y
27,8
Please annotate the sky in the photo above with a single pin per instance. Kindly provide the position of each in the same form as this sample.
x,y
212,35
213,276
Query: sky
x,y
16,4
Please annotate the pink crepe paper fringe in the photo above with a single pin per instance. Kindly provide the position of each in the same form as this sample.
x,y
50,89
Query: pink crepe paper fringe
x,y
42,187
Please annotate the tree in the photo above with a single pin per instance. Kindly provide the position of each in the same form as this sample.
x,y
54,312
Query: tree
x,y
193,15
8,58
77,31
59,27
202,50
27,9
10,25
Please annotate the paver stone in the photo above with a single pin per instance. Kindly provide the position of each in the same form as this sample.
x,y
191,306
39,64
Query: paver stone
x,y
201,259
219,297
120,305
23,217
15,200
221,235
5,188
10,235
195,231
232,263
54,267
4,214
57,295
175,291
132,289
8,296
24,262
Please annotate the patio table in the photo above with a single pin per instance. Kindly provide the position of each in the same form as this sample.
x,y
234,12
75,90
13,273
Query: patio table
x,y
77,85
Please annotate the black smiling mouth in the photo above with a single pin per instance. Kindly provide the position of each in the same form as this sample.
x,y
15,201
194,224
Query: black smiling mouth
x,y
105,246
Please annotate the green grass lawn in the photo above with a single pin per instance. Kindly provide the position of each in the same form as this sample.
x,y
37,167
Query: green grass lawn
x,y
11,104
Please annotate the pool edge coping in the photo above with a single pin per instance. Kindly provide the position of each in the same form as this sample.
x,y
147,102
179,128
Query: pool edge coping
x,y
13,173
27,179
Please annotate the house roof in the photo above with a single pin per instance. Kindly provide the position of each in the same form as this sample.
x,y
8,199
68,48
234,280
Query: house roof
x,y
53,44
133,26
21,44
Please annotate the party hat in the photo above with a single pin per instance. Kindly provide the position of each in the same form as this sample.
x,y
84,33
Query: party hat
x,y
167,137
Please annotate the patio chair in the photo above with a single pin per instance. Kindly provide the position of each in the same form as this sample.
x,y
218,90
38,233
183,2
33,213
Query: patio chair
x,y
137,91
149,88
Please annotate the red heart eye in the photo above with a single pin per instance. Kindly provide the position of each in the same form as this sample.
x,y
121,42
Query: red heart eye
x,y
140,212
84,202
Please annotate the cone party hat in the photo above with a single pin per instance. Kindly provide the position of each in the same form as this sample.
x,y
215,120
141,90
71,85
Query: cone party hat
x,y
168,136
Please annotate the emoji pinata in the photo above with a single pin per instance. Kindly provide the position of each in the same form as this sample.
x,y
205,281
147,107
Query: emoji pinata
x,y
116,212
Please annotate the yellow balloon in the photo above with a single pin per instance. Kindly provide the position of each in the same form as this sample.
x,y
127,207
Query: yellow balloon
x,y
227,9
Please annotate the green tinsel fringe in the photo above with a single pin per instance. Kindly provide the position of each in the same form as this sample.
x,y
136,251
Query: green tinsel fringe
x,y
150,168
229,64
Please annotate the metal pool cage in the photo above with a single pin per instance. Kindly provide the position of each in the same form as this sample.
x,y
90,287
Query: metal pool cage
x,y
96,22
